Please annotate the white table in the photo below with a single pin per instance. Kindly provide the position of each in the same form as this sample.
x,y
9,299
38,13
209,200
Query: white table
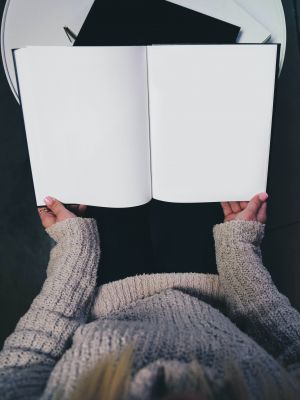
x,y
40,22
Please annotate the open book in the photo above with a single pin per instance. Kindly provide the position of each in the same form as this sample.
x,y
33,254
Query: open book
x,y
116,126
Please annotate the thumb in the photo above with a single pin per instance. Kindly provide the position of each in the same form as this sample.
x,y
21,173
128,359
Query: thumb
x,y
54,205
262,213
256,202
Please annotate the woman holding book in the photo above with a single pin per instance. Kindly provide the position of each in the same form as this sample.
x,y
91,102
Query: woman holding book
x,y
175,336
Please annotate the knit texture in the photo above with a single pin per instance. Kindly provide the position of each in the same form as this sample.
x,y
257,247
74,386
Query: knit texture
x,y
236,316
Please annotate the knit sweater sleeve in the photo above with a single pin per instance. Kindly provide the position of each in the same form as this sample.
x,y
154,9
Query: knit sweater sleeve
x,y
44,332
254,301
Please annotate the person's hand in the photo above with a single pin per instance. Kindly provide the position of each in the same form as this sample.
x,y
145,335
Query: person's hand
x,y
253,210
56,211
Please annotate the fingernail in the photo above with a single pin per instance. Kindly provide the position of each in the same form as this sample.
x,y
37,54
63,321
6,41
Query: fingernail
x,y
263,196
48,200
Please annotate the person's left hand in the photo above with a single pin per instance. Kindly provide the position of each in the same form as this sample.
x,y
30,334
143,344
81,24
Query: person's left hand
x,y
55,211
253,210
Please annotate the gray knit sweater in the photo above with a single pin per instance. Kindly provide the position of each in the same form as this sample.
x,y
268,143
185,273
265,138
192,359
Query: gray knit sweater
x,y
171,319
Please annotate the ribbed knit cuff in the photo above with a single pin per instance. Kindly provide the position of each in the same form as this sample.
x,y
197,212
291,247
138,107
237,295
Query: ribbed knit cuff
x,y
239,230
117,295
78,229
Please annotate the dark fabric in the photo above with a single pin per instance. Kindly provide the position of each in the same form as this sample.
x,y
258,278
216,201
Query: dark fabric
x,y
156,237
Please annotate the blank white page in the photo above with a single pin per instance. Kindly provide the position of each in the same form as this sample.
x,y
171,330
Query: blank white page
x,y
210,118
86,119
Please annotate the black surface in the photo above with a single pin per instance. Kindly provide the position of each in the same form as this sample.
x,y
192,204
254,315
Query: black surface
x,y
178,233
142,22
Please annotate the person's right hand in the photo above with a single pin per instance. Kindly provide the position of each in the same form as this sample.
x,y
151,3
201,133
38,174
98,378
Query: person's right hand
x,y
56,211
253,210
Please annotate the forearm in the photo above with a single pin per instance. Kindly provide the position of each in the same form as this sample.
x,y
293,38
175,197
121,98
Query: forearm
x,y
43,333
253,299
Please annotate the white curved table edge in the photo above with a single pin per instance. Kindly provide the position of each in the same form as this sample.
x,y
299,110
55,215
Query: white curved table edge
x,y
16,95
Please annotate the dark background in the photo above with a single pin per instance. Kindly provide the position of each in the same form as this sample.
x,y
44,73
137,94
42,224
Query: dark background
x,y
180,234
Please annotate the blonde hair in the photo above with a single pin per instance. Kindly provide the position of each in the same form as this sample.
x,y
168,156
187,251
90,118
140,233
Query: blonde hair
x,y
110,378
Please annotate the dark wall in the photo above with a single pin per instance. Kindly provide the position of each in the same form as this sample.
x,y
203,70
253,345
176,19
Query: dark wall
x,y
23,244
284,168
